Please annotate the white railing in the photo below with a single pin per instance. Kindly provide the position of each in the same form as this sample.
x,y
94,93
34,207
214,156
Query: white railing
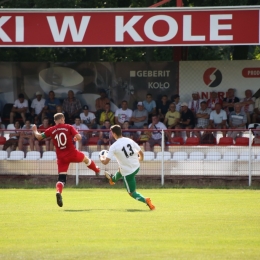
x,y
196,160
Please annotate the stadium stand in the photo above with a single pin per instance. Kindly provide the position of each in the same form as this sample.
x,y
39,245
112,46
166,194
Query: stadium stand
x,y
192,141
49,155
33,155
226,141
16,155
244,141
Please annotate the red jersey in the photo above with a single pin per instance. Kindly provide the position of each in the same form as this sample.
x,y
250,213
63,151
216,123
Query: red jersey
x,y
62,135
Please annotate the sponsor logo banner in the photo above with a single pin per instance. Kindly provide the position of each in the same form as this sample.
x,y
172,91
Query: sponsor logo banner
x,y
145,27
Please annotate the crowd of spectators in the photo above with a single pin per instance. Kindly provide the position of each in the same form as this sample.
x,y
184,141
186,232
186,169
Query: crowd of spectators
x,y
197,117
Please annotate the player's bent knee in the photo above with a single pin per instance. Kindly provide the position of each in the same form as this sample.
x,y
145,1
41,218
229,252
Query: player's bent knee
x,y
62,178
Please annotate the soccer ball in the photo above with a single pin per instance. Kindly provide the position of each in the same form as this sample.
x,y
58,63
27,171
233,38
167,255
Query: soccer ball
x,y
103,153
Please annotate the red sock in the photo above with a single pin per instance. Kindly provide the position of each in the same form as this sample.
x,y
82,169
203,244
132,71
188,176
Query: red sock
x,y
59,187
93,167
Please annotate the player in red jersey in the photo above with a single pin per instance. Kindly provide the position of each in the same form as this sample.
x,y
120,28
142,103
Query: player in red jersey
x,y
62,135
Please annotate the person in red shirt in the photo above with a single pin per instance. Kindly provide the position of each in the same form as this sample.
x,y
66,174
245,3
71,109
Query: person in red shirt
x,y
62,135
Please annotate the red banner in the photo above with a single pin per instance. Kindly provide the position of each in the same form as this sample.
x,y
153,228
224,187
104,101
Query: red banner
x,y
130,27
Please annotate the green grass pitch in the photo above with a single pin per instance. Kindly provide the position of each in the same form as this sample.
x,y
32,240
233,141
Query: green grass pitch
x,y
108,224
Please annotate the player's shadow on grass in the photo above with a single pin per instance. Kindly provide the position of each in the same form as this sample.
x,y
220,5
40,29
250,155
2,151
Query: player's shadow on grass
x,y
128,210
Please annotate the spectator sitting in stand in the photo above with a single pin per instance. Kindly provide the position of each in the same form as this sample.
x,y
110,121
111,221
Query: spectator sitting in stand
x,y
145,135
107,114
47,141
176,101
50,106
123,114
13,137
150,106
202,115
71,107
163,107
20,107
126,133
139,116
37,106
26,136
83,130
218,119
229,101
88,118
194,104
248,105
187,120
237,120
156,137
100,104
172,118
213,100
105,137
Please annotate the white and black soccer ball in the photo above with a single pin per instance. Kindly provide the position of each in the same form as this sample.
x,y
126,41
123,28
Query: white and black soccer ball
x,y
103,153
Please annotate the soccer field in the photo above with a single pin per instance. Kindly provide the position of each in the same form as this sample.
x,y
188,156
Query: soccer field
x,y
109,224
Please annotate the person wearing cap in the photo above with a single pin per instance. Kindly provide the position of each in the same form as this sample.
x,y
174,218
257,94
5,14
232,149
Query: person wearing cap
x,y
71,107
37,106
211,102
176,100
163,107
20,107
140,116
107,114
123,114
50,106
187,120
88,118
194,104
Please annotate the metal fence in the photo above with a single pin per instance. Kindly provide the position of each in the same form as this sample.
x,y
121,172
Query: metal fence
x,y
225,157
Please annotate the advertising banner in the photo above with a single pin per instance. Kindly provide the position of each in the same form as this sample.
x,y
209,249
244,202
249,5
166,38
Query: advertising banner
x,y
130,27
121,81
219,76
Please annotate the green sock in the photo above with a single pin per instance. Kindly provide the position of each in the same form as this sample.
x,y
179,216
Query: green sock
x,y
138,196
116,177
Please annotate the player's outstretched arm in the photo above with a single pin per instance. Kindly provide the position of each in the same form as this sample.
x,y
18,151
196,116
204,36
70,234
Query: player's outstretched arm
x,y
36,133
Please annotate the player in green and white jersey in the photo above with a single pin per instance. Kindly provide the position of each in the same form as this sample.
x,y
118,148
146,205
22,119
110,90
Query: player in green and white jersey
x,y
128,155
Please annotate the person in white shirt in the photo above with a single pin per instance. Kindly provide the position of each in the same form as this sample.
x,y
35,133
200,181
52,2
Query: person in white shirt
x,y
83,130
123,114
218,119
37,106
20,107
13,137
128,155
88,118
194,104
156,137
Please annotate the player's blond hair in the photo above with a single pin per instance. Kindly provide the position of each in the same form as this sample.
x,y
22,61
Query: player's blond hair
x,y
58,116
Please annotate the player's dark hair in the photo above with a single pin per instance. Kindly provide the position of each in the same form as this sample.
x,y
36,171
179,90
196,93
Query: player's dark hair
x,y
116,129
58,116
